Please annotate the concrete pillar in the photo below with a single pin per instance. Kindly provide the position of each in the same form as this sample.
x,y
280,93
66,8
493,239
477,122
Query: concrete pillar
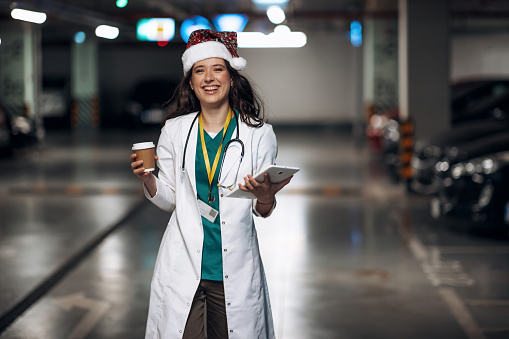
x,y
424,65
380,90
20,69
85,111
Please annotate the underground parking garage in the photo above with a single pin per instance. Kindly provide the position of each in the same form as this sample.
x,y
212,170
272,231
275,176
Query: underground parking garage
x,y
395,112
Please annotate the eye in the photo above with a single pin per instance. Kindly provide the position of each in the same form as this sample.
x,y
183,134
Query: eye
x,y
219,69
198,70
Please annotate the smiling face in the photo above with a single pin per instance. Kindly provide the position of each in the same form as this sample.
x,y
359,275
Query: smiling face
x,y
210,81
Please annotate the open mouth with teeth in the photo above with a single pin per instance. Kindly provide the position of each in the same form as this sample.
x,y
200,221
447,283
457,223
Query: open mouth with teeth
x,y
210,89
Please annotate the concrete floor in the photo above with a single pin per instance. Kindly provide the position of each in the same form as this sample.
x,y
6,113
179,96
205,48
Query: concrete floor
x,y
348,253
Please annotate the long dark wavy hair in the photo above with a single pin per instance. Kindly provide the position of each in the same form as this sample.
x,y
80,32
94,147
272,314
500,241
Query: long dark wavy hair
x,y
242,97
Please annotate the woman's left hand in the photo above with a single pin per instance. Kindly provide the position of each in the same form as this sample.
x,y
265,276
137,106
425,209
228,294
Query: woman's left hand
x,y
263,191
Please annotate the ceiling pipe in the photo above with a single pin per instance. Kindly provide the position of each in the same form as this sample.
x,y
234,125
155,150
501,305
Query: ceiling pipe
x,y
168,8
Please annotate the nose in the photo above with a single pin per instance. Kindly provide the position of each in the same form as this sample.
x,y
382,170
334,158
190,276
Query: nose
x,y
209,76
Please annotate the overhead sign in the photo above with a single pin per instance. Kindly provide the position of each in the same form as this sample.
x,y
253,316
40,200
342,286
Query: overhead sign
x,y
162,29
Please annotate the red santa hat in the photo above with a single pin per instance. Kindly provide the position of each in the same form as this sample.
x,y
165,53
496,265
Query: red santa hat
x,y
204,44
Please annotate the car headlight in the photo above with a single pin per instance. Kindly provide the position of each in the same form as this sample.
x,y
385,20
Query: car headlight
x,y
481,166
378,121
458,171
431,151
485,195
21,125
442,166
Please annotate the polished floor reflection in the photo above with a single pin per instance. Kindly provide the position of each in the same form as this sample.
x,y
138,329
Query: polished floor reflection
x,y
348,253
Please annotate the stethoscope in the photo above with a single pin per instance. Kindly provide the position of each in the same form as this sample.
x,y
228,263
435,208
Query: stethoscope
x,y
229,143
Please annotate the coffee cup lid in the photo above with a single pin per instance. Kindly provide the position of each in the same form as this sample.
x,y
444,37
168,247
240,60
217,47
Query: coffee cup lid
x,y
143,145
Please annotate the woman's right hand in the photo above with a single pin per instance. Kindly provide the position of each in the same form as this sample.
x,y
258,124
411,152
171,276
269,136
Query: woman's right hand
x,y
139,170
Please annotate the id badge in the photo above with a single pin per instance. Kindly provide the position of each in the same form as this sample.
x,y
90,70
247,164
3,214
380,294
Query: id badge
x,y
206,211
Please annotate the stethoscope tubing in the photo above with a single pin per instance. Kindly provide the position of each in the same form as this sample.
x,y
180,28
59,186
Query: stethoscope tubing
x,y
237,139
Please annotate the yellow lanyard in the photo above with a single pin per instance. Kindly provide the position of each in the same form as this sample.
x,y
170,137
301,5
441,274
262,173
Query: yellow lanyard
x,y
210,172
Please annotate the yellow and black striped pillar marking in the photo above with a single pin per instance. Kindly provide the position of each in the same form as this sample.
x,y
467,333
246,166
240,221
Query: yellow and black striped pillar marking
x,y
75,112
85,112
95,111
406,148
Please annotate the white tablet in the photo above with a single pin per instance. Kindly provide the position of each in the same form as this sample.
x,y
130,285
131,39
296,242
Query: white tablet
x,y
276,174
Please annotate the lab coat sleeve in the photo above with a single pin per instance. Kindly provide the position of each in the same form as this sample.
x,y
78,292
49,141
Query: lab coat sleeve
x,y
267,153
165,181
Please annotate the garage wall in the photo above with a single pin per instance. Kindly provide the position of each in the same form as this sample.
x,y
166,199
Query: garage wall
x,y
313,84
310,84
480,55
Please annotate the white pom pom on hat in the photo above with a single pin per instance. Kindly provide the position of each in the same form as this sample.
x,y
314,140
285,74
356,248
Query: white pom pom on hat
x,y
238,63
204,44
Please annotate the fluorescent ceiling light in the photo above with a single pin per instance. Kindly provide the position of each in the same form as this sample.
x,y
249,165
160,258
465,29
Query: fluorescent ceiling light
x,y
282,37
107,32
80,37
121,3
270,2
276,15
230,22
30,16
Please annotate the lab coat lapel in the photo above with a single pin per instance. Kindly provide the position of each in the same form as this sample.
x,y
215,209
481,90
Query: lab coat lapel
x,y
191,153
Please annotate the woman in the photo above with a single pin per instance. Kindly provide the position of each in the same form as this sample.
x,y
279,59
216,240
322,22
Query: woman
x,y
209,253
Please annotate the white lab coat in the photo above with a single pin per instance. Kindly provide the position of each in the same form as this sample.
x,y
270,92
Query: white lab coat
x,y
178,267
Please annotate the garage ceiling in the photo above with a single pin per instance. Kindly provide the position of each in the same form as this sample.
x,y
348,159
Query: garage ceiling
x,y
301,14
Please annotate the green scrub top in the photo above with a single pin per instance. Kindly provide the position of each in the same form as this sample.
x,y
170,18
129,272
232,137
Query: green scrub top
x,y
212,258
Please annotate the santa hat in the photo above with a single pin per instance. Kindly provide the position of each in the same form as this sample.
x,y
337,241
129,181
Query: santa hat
x,y
204,44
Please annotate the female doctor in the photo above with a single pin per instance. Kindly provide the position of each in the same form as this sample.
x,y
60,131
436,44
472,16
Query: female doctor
x,y
209,260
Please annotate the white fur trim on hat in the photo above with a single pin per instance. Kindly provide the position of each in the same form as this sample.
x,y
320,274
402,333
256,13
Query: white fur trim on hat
x,y
210,49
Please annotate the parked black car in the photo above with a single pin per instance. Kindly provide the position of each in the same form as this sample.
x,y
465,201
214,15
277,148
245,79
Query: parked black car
x,y
472,99
429,151
5,134
474,181
144,105
473,105
55,103
480,100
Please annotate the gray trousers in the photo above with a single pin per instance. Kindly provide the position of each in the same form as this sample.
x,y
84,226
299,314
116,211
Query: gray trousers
x,y
208,312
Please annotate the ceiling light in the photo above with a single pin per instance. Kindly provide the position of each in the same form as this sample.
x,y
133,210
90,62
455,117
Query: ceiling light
x,y
30,16
80,37
230,22
270,2
192,24
107,32
282,37
356,33
121,3
276,15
